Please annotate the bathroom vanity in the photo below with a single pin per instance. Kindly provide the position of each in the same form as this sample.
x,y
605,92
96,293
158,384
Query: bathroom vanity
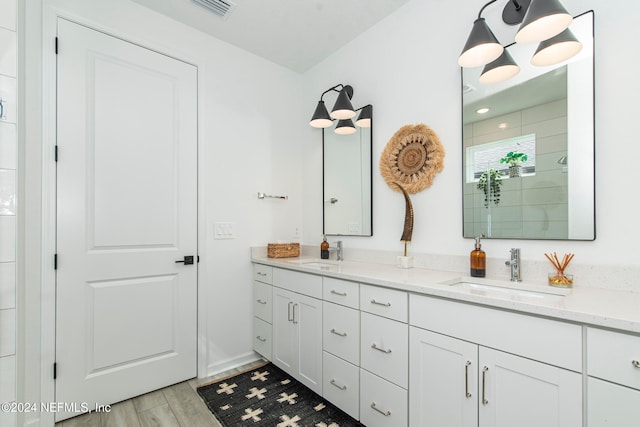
x,y
395,347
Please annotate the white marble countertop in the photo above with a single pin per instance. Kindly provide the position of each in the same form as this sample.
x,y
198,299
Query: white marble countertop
x,y
590,306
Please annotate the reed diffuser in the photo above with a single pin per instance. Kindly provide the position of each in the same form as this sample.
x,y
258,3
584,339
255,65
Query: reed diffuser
x,y
559,278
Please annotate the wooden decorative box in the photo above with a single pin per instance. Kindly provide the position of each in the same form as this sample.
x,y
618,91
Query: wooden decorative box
x,y
283,250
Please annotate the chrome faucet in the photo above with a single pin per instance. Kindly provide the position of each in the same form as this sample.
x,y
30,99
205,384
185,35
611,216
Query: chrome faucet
x,y
514,263
338,250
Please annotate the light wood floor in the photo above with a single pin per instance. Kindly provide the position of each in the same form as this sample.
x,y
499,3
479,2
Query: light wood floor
x,y
176,406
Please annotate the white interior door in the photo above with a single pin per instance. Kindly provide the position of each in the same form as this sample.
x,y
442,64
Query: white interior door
x,y
126,212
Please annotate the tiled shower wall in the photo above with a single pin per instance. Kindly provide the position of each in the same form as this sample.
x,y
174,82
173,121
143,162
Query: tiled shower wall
x,y
8,141
541,210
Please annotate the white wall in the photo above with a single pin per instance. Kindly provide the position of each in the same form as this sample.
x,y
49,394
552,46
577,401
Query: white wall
x,y
406,66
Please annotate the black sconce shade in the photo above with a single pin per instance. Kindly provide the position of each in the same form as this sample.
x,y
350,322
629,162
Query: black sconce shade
x,y
499,70
544,19
364,119
557,49
345,127
321,118
482,46
343,109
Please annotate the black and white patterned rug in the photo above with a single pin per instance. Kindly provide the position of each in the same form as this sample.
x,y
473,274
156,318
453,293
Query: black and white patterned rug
x,y
267,396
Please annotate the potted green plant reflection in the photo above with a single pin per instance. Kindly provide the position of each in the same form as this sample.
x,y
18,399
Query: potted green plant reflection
x,y
490,182
514,159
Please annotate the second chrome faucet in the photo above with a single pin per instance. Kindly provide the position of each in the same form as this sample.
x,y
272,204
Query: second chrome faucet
x,y
514,263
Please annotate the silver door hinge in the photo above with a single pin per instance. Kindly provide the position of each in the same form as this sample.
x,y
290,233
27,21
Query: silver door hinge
x,y
55,261
55,370
56,46
55,153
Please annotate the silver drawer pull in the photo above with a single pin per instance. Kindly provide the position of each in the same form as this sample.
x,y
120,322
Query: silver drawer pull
x,y
334,383
466,379
636,363
375,347
375,408
384,304
261,339
484,383
261,301
261,274
342,334
342,294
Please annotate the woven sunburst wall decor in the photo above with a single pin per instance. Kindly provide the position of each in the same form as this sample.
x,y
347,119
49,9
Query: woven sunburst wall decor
x,y
412,158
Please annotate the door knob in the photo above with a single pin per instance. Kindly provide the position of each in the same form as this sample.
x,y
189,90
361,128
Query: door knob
x,y
188,260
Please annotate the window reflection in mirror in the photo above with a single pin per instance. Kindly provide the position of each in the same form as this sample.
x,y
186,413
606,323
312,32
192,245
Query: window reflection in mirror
x,y
545,113
347,167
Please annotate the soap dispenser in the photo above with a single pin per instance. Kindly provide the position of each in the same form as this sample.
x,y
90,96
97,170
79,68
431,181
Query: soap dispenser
x,y
324,248
478,260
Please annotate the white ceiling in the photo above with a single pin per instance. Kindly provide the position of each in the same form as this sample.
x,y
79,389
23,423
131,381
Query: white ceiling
x,y
296,34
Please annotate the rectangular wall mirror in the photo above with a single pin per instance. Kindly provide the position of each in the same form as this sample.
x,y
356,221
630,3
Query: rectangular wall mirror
x,y
347,201
547,114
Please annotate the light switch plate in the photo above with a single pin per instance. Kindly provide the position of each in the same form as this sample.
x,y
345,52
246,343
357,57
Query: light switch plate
x,y
224,230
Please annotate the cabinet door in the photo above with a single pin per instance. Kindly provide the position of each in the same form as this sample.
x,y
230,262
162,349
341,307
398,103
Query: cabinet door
x,y
612,405
443,380
284,346
520,392
307,319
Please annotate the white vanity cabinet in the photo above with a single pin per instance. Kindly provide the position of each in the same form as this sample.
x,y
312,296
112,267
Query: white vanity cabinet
x,y
262,310
297,326
473,366
613,385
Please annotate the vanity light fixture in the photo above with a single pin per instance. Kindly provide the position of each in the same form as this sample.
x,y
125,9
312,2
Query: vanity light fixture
x,y
541,21
342,111
483,110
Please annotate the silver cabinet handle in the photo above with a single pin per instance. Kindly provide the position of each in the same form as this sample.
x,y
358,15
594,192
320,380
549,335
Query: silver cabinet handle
x,y
294,313
259,273
334,383
375,347
384,304
261,339
375,408
342,334
484,398
261,301
466,378
342,294
636,363
289,318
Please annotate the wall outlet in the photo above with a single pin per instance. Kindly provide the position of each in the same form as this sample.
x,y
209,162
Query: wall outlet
x,y
224,230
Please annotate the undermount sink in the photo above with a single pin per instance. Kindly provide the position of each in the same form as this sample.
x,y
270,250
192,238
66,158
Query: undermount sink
x,y
324,264
511,290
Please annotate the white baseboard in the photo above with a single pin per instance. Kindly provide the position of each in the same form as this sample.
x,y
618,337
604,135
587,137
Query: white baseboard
x,y
235,362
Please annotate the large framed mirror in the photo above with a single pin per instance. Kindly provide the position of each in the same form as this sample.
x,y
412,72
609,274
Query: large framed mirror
x,y
347,192
544,117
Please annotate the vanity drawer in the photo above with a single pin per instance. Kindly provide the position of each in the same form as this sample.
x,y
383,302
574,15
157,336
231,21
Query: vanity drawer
x,y
262,301
384,302
302,283
382,404
549,341
263,273
384,348
614,356
341,331
341,384
262,338
341,292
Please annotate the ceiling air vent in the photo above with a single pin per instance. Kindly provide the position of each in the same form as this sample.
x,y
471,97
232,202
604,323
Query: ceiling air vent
x,y
222,8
